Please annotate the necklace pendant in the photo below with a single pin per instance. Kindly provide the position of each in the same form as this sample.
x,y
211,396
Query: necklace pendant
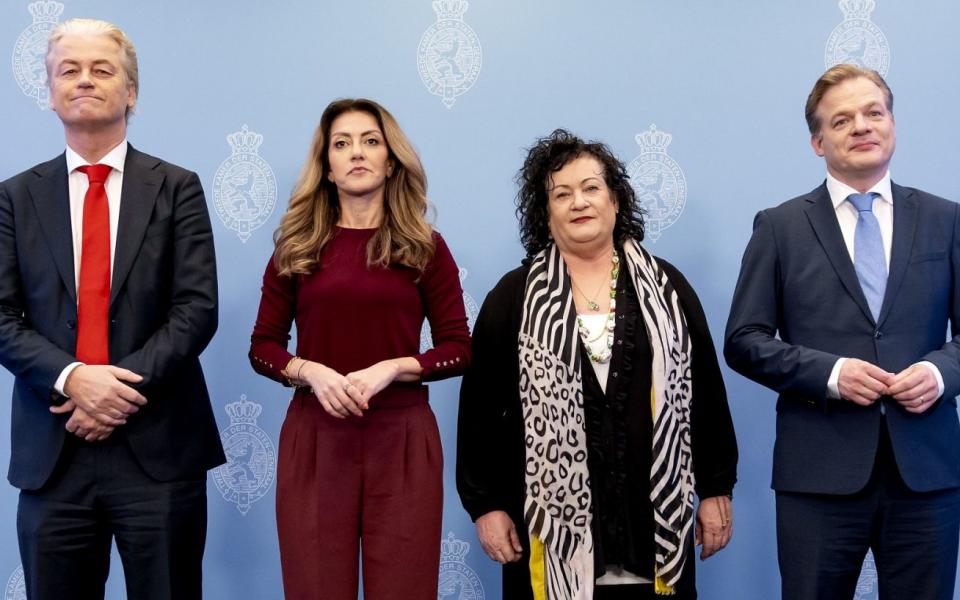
x,y
592,305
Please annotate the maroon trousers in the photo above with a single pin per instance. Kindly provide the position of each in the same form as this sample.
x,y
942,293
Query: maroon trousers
x,y
369,486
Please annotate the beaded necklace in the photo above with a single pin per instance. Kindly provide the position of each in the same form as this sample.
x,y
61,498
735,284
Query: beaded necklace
x,y
608,324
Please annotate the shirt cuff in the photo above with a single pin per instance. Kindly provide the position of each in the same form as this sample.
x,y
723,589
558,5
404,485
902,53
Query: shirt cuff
x,y
62,380
936,373
833,384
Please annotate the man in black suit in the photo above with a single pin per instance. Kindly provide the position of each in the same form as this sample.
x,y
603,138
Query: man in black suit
x,y
842,306
108,294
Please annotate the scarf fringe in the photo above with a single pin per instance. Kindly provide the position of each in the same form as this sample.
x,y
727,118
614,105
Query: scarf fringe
x,y
661,588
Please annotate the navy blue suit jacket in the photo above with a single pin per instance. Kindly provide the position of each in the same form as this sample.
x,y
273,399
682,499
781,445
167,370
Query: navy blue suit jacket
x,y
163,312
798,307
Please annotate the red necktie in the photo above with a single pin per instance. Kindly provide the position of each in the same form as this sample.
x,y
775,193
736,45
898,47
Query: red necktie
x,y
93,305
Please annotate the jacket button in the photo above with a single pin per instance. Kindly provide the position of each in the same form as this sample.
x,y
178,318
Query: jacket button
x,y
878,334
71,324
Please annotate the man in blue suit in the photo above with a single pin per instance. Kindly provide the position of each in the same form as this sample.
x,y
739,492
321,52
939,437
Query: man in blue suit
x,y
842,307
108,294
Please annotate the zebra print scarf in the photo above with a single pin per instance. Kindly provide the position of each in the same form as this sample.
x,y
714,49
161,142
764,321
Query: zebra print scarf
x,y
557,504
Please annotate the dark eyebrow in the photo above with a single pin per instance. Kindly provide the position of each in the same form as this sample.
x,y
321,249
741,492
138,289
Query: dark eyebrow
x,y
336,133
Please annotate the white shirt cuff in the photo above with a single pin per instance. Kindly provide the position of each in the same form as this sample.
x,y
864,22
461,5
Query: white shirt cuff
x,y
62,380
936,373
833,384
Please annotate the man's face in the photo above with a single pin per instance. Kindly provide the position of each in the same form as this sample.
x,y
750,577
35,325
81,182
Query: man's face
x,y
857,132
88,85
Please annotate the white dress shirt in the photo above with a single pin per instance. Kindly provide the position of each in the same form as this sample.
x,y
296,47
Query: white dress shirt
x,y
78,184
847,216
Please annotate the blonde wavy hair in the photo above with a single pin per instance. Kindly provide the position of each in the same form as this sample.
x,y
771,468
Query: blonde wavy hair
x,y
404,237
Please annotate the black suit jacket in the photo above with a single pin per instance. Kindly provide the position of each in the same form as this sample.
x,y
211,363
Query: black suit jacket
x,y
163,312
798,307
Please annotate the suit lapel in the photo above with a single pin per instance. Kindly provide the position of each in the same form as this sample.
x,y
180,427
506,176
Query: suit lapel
x,y
141,185
823,218
51,198
905,208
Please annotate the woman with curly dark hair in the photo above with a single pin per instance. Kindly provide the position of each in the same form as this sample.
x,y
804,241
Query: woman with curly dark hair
x,y
588,491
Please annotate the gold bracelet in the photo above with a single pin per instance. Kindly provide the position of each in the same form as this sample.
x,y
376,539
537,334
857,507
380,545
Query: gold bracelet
x,y
286,371
300,383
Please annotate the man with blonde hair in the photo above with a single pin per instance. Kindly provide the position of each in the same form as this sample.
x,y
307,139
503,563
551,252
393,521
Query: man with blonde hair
x,y
842,305
108,294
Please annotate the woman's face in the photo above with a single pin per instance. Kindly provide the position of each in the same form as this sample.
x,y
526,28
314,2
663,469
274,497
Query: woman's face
x,y
581,208
358,155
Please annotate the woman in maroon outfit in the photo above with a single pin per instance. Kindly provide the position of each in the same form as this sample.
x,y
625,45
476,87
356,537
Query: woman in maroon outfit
x,y
357,267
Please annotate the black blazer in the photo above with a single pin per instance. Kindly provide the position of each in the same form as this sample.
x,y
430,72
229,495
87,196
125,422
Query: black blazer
x,y
163,312
798,307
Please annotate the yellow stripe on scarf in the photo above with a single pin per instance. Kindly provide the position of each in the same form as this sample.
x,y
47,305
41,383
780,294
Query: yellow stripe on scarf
x,y
660,587
537,576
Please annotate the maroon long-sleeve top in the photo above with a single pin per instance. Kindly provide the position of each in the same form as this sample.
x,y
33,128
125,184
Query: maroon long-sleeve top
x,y
350,316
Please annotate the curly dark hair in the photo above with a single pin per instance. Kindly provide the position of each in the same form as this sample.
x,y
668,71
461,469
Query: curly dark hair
x,y
549,155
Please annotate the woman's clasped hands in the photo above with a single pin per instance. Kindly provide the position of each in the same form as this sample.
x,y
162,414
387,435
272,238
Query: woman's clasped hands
x,y
346,395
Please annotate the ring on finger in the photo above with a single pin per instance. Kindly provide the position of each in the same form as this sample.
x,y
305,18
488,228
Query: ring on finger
x,y
347,386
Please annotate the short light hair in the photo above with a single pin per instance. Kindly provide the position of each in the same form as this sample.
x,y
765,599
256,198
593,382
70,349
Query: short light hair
x,y
128,53
834,76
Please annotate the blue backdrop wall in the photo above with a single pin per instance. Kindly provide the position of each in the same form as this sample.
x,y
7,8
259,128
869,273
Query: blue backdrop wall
x,y
703,100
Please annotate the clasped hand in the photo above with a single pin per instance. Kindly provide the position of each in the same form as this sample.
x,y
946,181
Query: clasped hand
x,y
915,388
99,400
347,395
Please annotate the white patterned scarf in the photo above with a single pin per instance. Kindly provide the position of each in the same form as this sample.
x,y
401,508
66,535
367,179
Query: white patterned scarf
x,y
557,504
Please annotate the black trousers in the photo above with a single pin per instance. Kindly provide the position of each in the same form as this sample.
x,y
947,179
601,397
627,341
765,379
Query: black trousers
x,y
822,539
636,592
99,493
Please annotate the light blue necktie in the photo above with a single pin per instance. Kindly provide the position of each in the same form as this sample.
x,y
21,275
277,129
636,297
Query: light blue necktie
x,y
868,257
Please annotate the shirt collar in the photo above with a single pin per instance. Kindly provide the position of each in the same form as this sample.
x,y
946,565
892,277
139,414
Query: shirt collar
x,y
115,158
839,190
